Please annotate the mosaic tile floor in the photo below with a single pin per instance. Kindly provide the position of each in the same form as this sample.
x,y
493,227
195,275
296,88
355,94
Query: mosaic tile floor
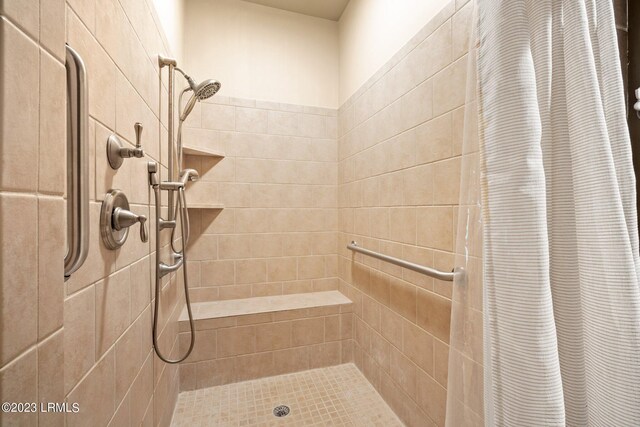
x,y
333,396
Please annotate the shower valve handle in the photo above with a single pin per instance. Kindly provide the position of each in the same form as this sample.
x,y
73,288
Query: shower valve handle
x,y
134,152
138,151
123,218
144,234
138,129
117,152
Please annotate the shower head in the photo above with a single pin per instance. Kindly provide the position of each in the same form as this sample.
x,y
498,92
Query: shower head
x,y
201,91
206,89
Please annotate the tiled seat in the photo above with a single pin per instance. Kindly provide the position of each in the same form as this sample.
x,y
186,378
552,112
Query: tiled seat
x,y
270,304
250,338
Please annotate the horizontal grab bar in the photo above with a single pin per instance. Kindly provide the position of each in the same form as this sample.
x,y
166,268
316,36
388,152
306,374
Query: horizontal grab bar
x,y
431,272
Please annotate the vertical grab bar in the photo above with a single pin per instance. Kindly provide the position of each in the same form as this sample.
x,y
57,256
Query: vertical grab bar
x,y
77,163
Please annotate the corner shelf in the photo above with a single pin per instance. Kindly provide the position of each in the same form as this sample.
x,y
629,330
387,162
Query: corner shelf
x,y
214,206
208,152
198,151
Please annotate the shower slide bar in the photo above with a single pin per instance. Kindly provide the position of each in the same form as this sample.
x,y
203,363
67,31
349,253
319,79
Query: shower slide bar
x,y
77,163
431,272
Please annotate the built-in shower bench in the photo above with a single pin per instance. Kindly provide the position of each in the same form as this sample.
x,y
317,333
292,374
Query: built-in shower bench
x,y
261,305
250,338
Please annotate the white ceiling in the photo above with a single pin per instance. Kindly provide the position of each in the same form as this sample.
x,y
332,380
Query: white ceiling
x,y
327,9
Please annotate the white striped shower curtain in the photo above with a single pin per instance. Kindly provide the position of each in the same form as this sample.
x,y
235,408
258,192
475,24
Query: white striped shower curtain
x,y
561,265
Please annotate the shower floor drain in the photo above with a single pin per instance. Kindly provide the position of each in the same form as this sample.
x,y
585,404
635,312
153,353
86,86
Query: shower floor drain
x,y
281,411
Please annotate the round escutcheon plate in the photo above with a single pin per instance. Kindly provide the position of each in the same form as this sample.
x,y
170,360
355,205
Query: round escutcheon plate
x,y
111,237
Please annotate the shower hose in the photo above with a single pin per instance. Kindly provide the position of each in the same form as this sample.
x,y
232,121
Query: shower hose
x,y
181,256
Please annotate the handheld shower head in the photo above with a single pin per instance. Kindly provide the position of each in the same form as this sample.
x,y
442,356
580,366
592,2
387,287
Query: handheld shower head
x,y
204,90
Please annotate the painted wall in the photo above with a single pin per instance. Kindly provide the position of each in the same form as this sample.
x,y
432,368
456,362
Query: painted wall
x,y
269,54
372,31
171,17
262,53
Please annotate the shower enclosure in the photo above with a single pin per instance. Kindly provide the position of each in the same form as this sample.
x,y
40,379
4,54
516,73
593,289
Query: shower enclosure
x,y
250,199
311,241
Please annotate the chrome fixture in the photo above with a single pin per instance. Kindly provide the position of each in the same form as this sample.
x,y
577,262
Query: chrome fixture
x,y
281,411
171,63
116,218
77,163
185,176
431,272
165,60
179,258
202,91
117,152
189,175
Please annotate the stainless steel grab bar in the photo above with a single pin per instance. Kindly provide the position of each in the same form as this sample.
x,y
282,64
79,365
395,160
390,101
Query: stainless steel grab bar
x,y
431,272
77,163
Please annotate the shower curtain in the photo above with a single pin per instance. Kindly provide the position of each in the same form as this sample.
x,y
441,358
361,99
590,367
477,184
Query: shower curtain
x,y
561,301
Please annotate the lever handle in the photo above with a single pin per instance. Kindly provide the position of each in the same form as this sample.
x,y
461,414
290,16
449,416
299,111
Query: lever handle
x,y
138,129
123,218
117,152
144,233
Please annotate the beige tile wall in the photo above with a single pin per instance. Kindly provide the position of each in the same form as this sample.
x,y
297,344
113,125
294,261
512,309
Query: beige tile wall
x,y
399,166
278,181
86,340
240,348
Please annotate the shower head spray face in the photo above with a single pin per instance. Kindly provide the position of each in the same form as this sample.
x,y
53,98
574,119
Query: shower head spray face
x,y
207,89
201,91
